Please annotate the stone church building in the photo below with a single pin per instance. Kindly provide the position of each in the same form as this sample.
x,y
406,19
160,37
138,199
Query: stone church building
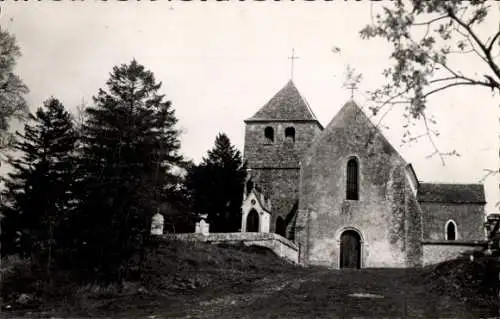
x,y
344,195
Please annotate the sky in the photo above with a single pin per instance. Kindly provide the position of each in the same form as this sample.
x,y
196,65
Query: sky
x,y
220,62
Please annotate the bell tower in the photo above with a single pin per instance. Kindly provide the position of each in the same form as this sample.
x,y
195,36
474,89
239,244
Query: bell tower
x,y
276,137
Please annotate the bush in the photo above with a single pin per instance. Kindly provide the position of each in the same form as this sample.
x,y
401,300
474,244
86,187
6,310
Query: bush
x,y
26,285
474,280
19,278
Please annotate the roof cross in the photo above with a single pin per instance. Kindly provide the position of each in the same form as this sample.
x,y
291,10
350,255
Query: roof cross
x,y
293,57
352,86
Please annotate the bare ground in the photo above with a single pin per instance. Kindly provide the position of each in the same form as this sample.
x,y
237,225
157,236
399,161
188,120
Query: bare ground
x,y
317,293
368,293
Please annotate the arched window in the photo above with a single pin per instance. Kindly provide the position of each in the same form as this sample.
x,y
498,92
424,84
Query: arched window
x,y
352,180
450,230
280,226
269,134
290,134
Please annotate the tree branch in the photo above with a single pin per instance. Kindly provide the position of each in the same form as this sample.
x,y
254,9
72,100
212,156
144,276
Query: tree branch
x,y
473,47
428,133
481,45
430,21
463,52
384,115
449,69
449,78
476,16
471,82
489,172
490,46
415,138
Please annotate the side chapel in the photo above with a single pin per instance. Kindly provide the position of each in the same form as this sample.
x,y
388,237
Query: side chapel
x,y
343,193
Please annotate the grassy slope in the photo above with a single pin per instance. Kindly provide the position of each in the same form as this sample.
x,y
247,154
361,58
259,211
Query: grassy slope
x,y
174,274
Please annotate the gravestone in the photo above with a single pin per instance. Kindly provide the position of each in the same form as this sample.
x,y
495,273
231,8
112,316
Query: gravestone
x,y
202,227
157,224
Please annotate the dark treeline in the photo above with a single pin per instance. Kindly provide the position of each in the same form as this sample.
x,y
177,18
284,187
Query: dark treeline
x,y
81,195
216,186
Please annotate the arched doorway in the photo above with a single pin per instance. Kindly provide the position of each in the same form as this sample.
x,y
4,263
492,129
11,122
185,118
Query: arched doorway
x,y
253,221
280,226
350,249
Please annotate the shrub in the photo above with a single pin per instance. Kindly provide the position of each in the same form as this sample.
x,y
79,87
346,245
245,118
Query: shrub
x,y
19,277
474,280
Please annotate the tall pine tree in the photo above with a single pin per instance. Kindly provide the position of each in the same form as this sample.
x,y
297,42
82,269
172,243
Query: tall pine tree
x,y
38,194
216,186
130,150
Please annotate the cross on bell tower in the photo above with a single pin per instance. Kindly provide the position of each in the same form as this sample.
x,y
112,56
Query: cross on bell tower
x,y
292,57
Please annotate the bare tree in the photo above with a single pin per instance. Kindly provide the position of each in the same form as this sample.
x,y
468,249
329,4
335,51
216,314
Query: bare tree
x,y
13,105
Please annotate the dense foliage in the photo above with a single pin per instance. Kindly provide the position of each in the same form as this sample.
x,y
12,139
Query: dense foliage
x,y
128,162
216,186
39,193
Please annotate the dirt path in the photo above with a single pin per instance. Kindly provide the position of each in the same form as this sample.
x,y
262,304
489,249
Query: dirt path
x,y
229,303
369,293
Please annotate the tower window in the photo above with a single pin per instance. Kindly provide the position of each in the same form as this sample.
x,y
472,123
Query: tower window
x,y
290,134
352,191
269,134
450,230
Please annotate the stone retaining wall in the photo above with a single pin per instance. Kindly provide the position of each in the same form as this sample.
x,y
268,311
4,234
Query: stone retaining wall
x,y
281,246
438,251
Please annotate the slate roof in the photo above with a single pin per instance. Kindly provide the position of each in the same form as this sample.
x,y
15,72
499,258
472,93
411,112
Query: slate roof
x,y
286,105
451,193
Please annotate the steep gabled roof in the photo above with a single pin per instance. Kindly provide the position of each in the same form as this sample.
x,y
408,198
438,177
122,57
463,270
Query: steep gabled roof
x,y
347,116
286,105
451,193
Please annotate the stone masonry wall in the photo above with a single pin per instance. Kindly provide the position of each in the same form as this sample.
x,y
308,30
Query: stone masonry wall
x,y
439,251
276,166
468,217
413,229
378,215
282,186
281,153
302,236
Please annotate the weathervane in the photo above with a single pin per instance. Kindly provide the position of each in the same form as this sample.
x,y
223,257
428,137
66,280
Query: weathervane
x,y
293,57
352,80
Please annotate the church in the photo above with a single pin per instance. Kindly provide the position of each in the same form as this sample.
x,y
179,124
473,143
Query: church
x,y
344,195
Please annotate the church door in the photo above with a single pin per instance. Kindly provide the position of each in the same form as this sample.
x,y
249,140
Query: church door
x,y
350,250
253,221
